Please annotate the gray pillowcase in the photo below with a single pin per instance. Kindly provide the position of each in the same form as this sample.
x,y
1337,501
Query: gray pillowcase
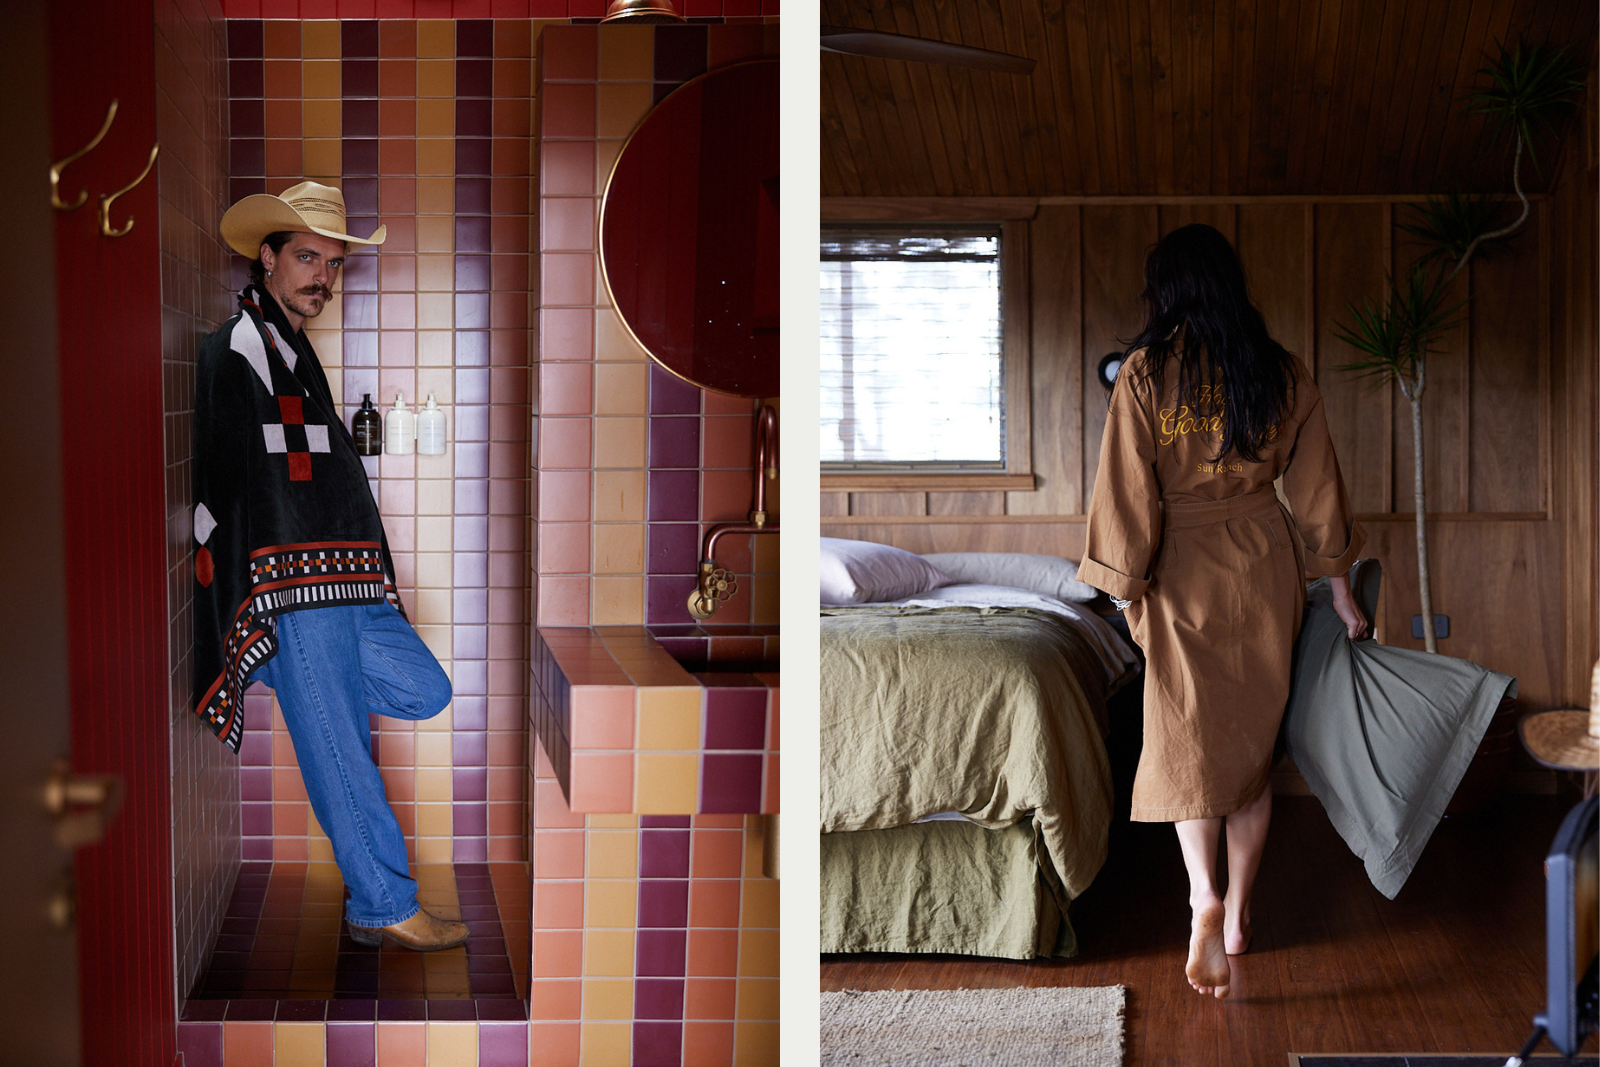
x,y
1050,575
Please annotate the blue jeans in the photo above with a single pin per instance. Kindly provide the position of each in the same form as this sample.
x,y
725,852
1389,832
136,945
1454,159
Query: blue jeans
x,y
334,666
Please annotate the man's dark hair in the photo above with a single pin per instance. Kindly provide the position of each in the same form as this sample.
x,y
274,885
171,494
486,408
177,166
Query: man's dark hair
x,y
274,241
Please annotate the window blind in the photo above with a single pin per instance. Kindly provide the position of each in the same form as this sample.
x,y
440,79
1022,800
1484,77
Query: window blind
x,y
913,371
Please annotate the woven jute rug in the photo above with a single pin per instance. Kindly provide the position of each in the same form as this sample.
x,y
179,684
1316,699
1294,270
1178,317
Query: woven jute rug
x,y
974,1028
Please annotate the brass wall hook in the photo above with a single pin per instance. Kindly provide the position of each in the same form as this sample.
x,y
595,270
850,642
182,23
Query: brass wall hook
x,y
106,199
56,168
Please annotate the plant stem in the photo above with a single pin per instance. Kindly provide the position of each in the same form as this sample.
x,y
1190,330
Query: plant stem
x,y
1504,231
1429,638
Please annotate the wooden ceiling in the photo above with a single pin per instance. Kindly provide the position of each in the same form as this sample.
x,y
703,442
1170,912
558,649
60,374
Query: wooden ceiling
x,y
1179,97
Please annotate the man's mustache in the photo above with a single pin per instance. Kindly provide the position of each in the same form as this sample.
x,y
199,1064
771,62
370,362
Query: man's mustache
x,y
318,290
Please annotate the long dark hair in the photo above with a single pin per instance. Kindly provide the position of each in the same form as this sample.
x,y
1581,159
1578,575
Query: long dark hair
x,y
1198,311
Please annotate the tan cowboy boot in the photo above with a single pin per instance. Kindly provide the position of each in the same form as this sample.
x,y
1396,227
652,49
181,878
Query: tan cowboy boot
x,y
423,932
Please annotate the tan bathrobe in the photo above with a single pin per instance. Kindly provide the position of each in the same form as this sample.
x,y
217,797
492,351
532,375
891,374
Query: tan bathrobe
x,y
1217,577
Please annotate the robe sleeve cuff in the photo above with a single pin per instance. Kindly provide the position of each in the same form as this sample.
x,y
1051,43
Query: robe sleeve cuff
x,y
1332,567
1097,574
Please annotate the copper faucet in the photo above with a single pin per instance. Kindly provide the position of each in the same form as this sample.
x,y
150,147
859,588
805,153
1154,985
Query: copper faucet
x,y
717,584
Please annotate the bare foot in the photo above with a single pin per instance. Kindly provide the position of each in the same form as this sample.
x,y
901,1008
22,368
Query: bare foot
x,y
1208,963
1237,931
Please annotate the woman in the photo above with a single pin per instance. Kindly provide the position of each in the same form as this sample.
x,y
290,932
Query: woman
x,y
1185,527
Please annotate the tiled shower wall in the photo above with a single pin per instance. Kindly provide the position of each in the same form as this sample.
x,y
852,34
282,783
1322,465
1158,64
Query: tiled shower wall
x,y
634,463
191,123
426,126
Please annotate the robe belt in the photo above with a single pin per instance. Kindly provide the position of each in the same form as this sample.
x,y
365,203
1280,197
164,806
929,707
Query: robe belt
x,y
1205,512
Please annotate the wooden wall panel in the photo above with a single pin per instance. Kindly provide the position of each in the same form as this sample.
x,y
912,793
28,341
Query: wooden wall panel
x,y
1351,241
1115,240
1274,243
1058,367
1508,329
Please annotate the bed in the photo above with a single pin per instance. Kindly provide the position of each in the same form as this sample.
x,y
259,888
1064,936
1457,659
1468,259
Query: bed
x,y
966,794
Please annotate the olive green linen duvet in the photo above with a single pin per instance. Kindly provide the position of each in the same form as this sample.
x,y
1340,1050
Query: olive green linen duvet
x,y
996,713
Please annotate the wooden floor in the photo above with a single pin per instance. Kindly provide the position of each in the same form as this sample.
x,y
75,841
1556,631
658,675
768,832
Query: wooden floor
x,y
1455,964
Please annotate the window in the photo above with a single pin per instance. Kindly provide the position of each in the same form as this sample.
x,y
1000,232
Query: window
x,y
919,361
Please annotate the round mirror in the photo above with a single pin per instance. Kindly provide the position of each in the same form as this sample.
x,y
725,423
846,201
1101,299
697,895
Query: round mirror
x,y
689,231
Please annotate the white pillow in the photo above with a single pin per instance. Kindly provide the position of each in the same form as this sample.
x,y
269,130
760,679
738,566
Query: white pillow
x,y
1050,575
863,572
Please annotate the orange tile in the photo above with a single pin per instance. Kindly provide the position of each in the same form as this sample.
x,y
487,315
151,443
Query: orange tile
x,y
622,388
397,77
619,443
559,954
619,496
557,905
436,155
619,106
557,998
319,78
287,783
280,38
628,55
707,1044
758,953
397,118
513,118
572,54
402,1044
713,953
282,118
728,441
755,1042
397,38
725,495
558,854
397,195
289,819
602,781
565,389
513,78
247,1044
437,196
284,156
554,1044
723,404
714,902
506,820
436,77
709,998
319,39
513,37
505,752
602,717
717,853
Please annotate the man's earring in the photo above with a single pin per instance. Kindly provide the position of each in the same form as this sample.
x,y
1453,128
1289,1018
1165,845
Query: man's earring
x,y
269,274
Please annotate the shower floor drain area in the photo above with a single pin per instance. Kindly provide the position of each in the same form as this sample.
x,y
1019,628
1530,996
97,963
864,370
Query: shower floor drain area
x,y
284,939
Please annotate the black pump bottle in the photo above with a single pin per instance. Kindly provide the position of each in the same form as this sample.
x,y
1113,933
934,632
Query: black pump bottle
x,y
368,429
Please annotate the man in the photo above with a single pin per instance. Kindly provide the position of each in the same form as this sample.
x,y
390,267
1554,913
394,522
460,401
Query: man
x,y
295,582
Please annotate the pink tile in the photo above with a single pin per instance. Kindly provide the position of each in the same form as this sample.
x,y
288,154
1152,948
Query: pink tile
x,y
564,443
725,496
567,278
602,717
723,404
563,601
563,548
391,466
566,389
568,223
567,168
566,333
397,311
602,781
397,497
563,496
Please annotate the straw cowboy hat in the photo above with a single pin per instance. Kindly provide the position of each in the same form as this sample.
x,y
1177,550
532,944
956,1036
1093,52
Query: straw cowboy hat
x,y
306,208
1566,740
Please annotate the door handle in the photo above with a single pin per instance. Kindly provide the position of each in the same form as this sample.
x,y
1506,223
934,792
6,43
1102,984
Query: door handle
x,y
83,805
106,199
58,167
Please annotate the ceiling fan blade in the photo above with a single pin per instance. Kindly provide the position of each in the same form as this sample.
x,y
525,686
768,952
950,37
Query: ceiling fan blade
x,y
881,45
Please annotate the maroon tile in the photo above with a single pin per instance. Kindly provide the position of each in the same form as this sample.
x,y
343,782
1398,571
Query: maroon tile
x,y
246,77
671,395
475,77
358,118
260,848
252,1010
730,783
474,37
469,748
245,39
674,496
501,1044
360,311
492,984
358,77
664,853
665,822
360,156
474,118
352,1044
353,1010
200,1043
302,1011
667,598
736,718
246,118
396,1010
500,1011
452,1010
255,783
664,902
661,953
680,53
360,274
358,38
474,156
238,189
204,1010
247,156
472,234
470,819
658,998
472,196
675,441
488,964
657,1044
255,820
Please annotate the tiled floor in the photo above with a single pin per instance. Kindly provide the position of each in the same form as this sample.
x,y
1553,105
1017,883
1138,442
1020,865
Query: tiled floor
x,y
284,940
